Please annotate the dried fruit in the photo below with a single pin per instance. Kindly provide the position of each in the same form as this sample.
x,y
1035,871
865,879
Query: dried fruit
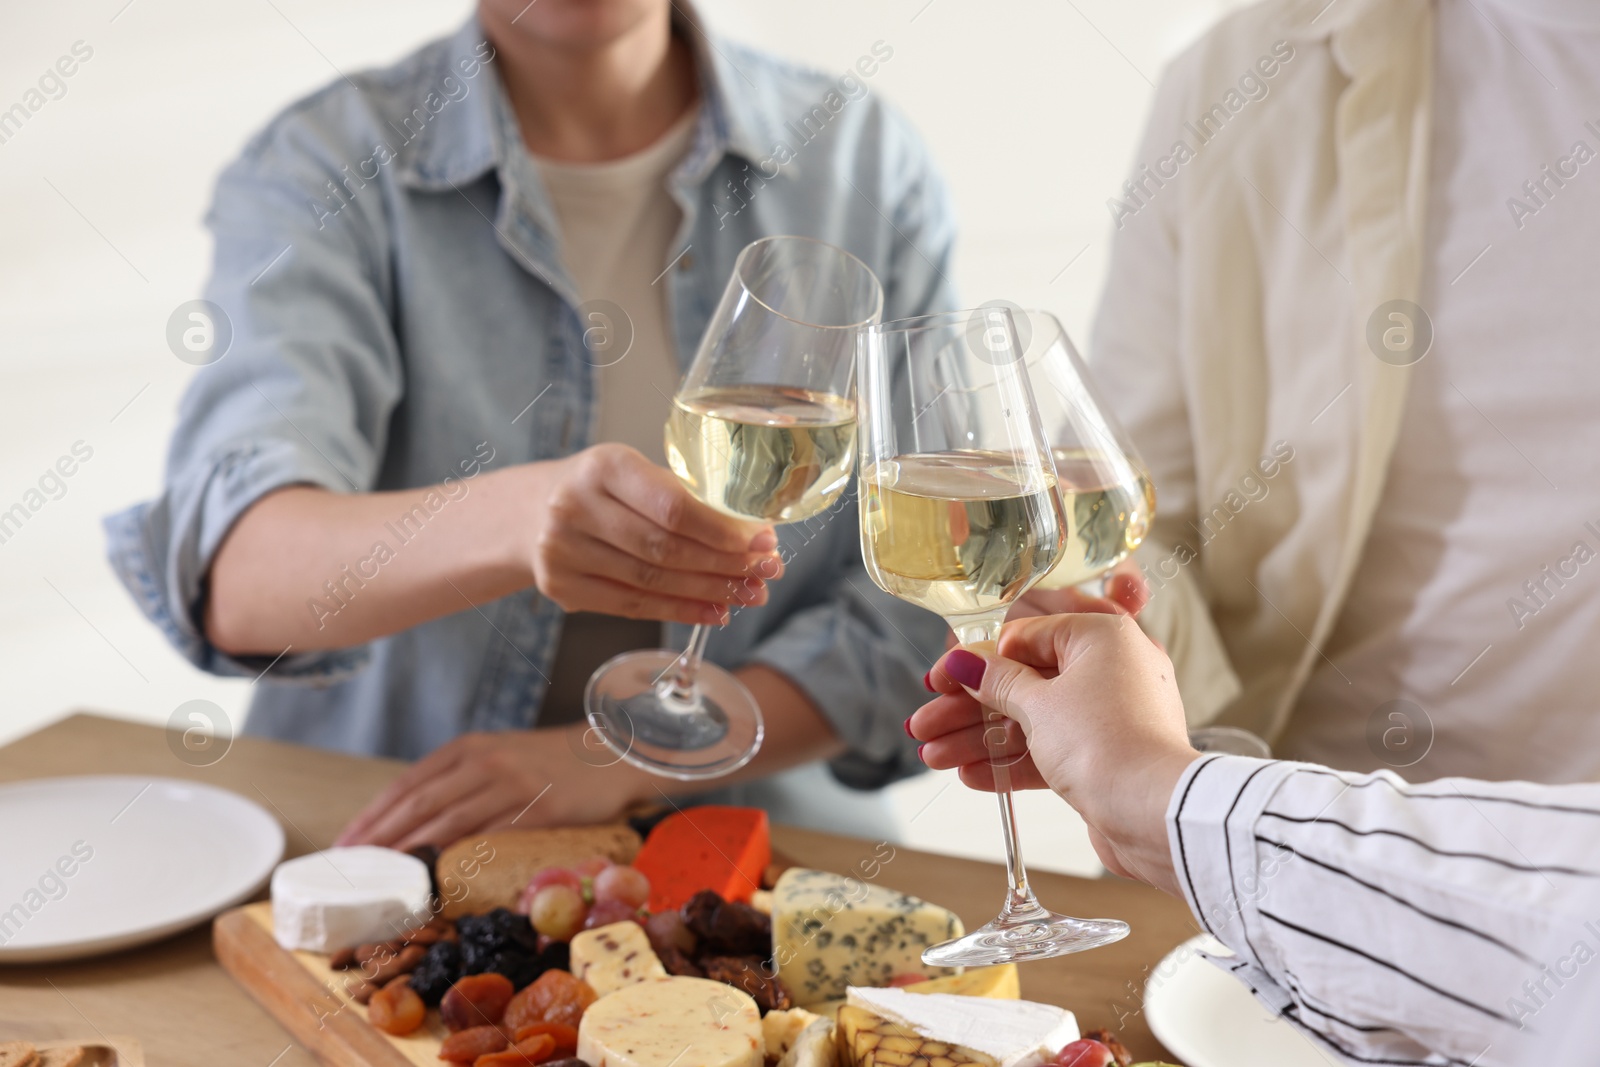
x,y
437,972
476,1000
527,1053
753,975
342,960
465,1046
556,997
566,1037
396,1009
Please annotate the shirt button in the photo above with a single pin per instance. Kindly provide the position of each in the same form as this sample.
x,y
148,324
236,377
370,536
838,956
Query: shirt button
x,y
686,262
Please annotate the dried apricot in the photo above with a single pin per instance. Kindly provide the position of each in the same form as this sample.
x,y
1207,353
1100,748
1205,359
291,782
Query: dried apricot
x,y
475,1000
566,1037
527,1053
465,1046
555,997
396,1009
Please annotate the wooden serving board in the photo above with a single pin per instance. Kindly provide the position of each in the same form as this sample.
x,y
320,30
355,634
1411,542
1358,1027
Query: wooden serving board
x,y
307,996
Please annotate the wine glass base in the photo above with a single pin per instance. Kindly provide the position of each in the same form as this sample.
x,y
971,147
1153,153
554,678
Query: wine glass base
x,y
638,722
1040,935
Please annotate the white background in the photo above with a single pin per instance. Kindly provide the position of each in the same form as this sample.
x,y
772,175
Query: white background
x,y
1032,107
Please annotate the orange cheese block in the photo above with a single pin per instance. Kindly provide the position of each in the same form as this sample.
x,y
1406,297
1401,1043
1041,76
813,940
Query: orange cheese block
x,y
712,847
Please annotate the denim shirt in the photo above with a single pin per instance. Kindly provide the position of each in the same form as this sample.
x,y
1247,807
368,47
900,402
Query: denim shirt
x,y
392,271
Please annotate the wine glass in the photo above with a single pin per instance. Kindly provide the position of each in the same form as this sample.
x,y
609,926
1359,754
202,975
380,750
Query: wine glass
x,y
763,426
960,515
1105,488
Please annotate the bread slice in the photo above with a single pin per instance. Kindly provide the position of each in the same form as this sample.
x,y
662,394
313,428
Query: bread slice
x,y
61,1056
486,871
18,1054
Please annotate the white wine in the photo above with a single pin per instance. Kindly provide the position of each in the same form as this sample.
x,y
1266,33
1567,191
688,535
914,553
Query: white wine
x,y
1109,502
958,533
763,451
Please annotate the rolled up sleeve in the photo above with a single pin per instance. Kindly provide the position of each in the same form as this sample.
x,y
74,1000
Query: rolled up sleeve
x,y
301,397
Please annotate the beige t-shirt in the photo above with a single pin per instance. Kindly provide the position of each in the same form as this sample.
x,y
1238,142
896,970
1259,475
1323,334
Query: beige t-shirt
x,y
618,222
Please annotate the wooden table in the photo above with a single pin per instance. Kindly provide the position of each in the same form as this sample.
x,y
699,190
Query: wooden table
x,y
188,1012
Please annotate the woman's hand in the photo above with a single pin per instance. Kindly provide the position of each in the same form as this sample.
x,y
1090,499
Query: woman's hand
x,y
1126,592
523,778
1098,706
611,532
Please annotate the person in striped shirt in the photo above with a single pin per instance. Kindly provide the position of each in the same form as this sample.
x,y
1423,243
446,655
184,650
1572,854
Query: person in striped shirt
x,y
1456,922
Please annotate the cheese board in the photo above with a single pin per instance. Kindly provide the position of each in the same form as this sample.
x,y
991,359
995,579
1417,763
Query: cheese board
x,y
592,947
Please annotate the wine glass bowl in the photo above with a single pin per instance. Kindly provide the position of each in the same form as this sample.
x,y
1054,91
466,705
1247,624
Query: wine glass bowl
x,y
1105,487
960,515
763,427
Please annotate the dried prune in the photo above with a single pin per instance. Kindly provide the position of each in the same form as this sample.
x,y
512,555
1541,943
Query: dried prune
x,y
753,975
698,911
396,1009
438,971
677,963
475,1000
737,929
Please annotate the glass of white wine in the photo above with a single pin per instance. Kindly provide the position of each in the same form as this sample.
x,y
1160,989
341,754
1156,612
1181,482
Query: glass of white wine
x,y
763,426
1105,488
960,515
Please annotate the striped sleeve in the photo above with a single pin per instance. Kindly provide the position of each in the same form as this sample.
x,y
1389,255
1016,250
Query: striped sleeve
x,y
1397,924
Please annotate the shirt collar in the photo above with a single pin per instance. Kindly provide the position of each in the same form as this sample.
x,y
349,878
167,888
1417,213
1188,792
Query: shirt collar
x,y
475,133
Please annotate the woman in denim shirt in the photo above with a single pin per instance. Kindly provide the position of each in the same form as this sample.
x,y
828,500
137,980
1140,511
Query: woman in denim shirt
x,y
408,473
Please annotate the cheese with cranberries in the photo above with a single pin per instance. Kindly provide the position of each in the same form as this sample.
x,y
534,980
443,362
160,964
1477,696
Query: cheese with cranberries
x,y
830,932
673,1022
616,955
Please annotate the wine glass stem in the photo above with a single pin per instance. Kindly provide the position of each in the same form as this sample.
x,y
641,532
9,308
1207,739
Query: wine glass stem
x,y
677,688
985,633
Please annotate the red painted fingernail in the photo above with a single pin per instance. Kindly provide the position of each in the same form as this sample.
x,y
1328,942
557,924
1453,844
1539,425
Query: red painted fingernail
x,y
919,753
965,667
908,730
927,681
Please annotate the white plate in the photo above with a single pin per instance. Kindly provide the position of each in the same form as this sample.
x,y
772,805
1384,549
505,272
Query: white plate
x,y
1208,1018
147,857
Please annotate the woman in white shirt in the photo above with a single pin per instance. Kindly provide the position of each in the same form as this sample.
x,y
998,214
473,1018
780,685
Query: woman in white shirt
x,y
1448,923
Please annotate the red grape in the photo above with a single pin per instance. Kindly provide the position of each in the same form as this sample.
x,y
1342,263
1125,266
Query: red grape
x,y
666,930
606,912
557,911
622,883
1085,1052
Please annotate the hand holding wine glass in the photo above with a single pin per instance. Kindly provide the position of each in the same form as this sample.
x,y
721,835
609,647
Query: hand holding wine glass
x,y
763,428
960,515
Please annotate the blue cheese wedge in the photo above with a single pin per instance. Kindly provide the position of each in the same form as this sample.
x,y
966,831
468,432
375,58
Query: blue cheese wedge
x,y
830,932
673,1022
978,1030
616,955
